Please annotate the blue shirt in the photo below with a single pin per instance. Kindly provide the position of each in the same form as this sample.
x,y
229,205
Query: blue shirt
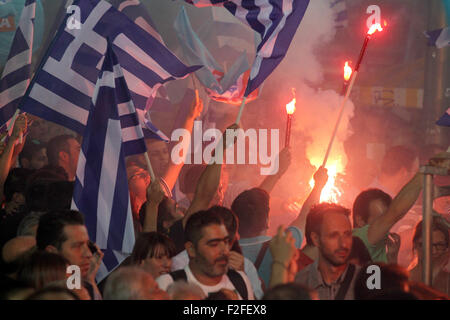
x,y
252,246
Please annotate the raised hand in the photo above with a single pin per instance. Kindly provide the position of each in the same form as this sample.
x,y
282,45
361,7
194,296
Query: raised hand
x,y
285,159
196,107
321,177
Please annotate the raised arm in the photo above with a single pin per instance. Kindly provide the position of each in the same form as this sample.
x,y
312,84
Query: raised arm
x,y
284,162
209,180
7,156
155,195
320,179
400,205
171,175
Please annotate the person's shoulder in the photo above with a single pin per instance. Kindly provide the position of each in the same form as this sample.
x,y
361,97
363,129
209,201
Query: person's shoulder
x,y
305,274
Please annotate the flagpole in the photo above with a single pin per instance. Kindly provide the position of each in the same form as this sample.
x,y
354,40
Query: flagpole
x,y
341,112
241,109
149,166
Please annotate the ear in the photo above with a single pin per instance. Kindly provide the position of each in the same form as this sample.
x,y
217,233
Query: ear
x,y
315,239
63,156
51,249
189,246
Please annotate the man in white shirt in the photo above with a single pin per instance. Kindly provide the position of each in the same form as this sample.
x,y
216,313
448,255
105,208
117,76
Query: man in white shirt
x,y
208,247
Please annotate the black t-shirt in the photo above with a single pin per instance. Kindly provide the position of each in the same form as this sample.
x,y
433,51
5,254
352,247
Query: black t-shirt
x,y
176,233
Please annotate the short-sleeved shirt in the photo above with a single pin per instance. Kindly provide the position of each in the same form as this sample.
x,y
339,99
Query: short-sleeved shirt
x,y
165,280
252,246
311,277
377,251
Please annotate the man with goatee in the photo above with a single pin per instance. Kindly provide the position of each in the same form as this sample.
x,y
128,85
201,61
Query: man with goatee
x,y
332,276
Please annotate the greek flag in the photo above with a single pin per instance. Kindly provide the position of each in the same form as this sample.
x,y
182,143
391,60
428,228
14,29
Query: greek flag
x,y
275,20
62,89
439,38
101,188
445,119
16,74
134,10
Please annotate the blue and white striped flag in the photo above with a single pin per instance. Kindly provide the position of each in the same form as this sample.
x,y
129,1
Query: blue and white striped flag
x,y
439,38
445,119
339,8
16,74
101,188
275,20
134,10
62,89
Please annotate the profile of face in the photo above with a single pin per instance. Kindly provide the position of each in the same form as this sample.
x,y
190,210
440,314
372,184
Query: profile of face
x,y
75,249
68,159
158,264
159,156
212,252
439,246
138,181
335,239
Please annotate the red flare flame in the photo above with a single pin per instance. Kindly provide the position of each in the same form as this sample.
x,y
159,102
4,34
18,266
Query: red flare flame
x,y
347,71
374,28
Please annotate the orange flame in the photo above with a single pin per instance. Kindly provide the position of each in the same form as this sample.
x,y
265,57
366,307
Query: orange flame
x,y
347,71
374,28
330,193
290,107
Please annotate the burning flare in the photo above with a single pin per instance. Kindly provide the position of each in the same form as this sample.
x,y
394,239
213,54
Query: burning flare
x,y
347,71
374,28
290,107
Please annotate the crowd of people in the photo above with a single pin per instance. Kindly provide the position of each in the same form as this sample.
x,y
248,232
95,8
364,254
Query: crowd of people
x,y
212,242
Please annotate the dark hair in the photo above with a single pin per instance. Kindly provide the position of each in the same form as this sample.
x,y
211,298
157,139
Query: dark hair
x,y
436,226
146,246
363,200
252,210
189,180
359,251
40,295
16,182
56,145
42,268
30,148
315,217
396,158
393,277
288,291
51,227
229,218
193,231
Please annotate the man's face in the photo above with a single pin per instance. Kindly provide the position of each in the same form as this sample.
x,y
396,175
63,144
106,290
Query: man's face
x,y
376,209
75,249
39,159
439,247
212,252
74,153
159,156
335,240
153,290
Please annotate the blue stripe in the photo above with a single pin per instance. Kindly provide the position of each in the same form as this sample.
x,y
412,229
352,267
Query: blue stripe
x,y
444,120
119,209
231,7
109,260
42,111
85,62
64,40
134,147
138,100
281,46
122,92
129,120
15,77
19,44
63,90
433,36
252,16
